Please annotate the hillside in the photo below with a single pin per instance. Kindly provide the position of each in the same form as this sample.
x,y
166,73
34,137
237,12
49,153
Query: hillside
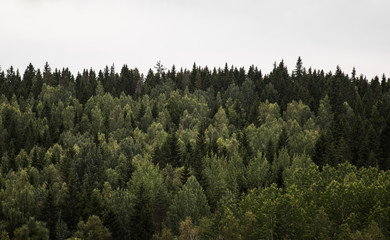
x,y
203,153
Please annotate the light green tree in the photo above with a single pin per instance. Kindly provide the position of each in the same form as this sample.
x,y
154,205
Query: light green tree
x,y
32,230
191,202
93,229
298,111
259,172
68,117
18,202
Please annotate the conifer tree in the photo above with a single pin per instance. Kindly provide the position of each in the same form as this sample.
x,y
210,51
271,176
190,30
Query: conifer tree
x,y
141,224
384,147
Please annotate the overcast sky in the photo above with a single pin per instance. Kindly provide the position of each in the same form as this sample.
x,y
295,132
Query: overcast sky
x,y
94,33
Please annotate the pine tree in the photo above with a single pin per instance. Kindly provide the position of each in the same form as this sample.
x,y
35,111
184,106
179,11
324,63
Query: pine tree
x,y
50,212
320,151
110,220
28,77
282,141
384,147
169,152
174,150
141,224
185,175
298,69
200,151
155,110
270,151
71,203
245,149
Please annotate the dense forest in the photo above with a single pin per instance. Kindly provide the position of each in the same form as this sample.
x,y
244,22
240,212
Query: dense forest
x,y
203,153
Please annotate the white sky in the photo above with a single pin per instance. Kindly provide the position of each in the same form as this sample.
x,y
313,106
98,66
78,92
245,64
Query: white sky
x,y
94,33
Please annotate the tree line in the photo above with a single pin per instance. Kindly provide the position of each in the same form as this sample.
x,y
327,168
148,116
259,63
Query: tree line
x,y
194,154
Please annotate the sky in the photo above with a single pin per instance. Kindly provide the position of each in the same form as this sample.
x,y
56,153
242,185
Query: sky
x,y
81,34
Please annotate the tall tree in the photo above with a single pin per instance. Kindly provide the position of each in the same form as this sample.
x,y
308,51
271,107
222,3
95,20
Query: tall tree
x,y
384,147
141,224
191,202
93,229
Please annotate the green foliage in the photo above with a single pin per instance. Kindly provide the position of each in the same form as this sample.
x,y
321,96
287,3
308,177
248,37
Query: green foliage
x,y
32,230
191,202
92,229
141,225
18,201
202,154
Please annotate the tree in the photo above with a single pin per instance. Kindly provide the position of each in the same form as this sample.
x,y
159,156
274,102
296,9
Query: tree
x,y
94,205
200,151
70,202
325,115
230,228
259,172
93,229
50,212
62,231
32,230
160,68
298,111
322,227
172,150
174,110
245,149
141,224
28,77
384,147
187,231
153,201
191,202
320,151
279,165
4,235
283,139
248,94
270,151
18,202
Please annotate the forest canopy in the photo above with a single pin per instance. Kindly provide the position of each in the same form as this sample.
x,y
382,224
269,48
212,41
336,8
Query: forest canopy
x,y
194,154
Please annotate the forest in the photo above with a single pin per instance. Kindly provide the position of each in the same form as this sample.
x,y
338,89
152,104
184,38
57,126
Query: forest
x,y
222,153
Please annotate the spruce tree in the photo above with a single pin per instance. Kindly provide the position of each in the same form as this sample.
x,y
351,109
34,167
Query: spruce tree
x,y
50,212
141,224
200,151
384,147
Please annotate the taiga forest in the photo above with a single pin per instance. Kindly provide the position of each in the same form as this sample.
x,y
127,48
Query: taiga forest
x,y
201,153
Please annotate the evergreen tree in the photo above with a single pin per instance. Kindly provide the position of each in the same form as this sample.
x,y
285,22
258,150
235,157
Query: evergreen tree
x,y
297,73
196,162
270,151
141,224
320,150
245,149
70,204
384,147
169,152
283,139
50,212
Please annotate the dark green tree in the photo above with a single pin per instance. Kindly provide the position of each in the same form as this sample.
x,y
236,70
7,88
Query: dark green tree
x,y
32,230
384,147
141,224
